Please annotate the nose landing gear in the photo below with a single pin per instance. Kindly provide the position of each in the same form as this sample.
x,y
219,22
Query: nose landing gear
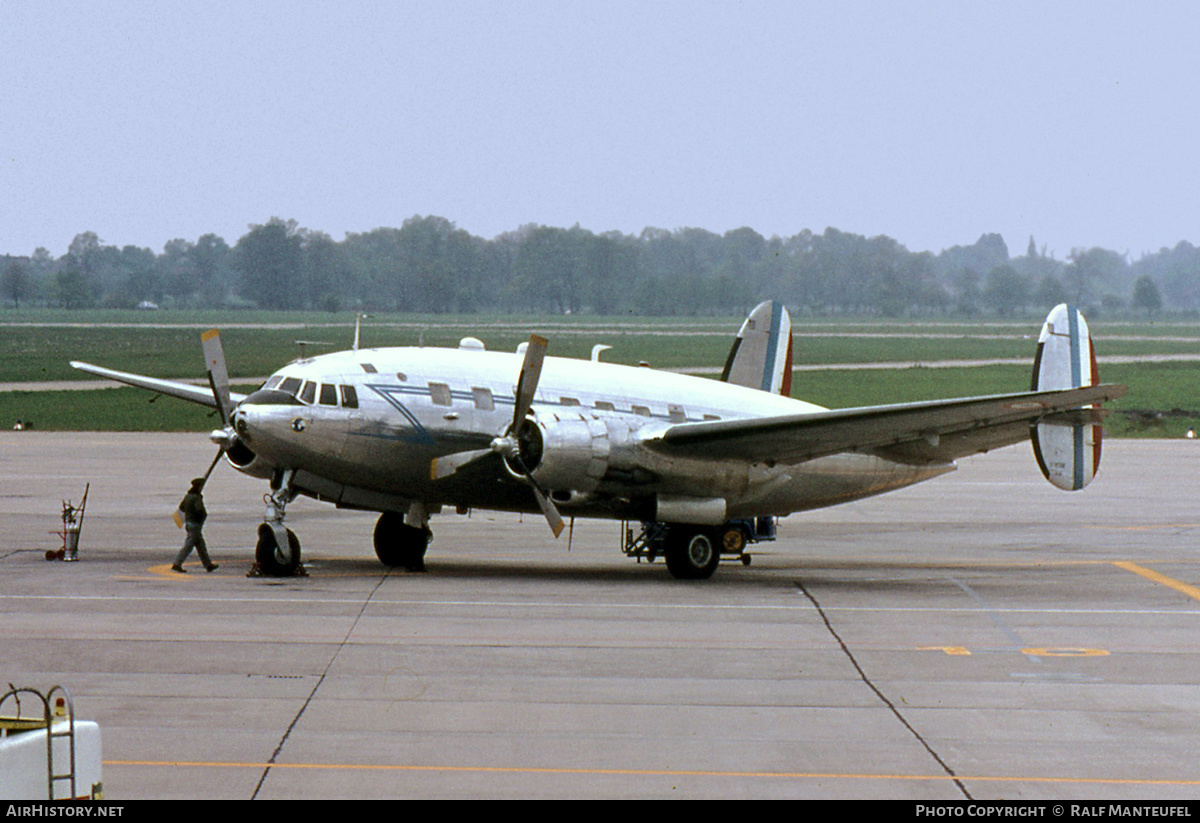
x,y
277,552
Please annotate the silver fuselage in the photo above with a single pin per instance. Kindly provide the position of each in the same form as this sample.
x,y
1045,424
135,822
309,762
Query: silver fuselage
x,y
369,442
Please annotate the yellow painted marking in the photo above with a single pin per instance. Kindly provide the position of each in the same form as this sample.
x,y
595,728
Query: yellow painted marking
x,y
956,650
165,571
1066,651
209,334
651,772
1183,588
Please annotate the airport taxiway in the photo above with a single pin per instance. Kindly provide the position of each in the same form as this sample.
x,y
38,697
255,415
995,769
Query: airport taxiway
x,y
982,635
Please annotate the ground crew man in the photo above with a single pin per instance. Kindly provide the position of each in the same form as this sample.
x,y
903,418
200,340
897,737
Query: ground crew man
x,y
194,515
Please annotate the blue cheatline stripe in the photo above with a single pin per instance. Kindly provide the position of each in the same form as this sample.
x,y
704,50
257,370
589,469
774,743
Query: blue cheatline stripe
x,y
1076,382
772,345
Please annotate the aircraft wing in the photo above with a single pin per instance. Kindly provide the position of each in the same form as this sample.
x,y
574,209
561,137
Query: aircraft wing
x,y
927,432
184,391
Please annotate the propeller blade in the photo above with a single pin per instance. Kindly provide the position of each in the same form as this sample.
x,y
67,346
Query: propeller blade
x,y
211,466
548,508
218,375
442,467
531,373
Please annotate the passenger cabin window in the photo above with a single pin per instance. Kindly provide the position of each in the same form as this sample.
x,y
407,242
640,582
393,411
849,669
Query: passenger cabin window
x,y
309,393
439,393
641,410
329,395
483,399
604,405
676,414
568,401
349,397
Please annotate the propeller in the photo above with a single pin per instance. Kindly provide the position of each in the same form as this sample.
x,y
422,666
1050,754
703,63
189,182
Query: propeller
x,y
519,432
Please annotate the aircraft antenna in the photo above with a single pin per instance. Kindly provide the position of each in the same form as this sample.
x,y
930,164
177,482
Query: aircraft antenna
x,y
358,318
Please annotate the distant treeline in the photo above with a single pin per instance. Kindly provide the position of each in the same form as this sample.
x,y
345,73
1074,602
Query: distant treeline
x,y
429,265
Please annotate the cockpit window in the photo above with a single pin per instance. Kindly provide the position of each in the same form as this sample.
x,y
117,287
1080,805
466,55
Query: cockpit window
x,y
329,395
349,397
291,385
273,381
309,393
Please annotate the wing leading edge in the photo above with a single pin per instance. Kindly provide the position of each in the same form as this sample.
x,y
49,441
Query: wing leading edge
x,y
927,432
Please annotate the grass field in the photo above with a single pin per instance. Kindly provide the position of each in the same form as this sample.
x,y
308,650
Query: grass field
x,y
37,346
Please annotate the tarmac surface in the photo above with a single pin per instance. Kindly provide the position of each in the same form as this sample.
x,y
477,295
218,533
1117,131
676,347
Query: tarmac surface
x,y
981,636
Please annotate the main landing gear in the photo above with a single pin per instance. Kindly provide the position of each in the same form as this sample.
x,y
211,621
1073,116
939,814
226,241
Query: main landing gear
x,y
399,544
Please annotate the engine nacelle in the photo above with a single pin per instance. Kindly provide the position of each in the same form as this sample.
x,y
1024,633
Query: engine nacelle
x,y
570,453
245,460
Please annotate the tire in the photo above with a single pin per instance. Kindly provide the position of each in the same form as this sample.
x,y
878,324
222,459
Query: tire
x,y
400,545
733,539
267,554
692,554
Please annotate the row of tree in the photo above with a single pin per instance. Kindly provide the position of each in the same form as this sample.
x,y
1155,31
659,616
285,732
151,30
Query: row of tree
x,y
430,265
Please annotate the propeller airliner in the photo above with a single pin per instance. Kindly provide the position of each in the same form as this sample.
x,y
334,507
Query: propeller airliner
x,y
704,465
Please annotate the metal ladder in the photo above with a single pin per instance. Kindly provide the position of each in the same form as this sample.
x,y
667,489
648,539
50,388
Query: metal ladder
x,y
48,721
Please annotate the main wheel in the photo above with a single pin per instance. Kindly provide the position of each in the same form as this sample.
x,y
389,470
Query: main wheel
x,y
692,553
398,544
271,559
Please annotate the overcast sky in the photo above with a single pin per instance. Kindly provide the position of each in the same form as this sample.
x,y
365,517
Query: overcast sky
x,y
930,122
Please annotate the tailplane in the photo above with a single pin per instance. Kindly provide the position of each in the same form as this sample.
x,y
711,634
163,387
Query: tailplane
x,y
1067,446
761,357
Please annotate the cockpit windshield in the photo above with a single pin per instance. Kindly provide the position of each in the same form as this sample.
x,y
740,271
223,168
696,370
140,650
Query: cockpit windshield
x,y
295,391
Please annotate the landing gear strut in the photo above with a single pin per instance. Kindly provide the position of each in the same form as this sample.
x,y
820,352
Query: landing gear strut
x,y
277,552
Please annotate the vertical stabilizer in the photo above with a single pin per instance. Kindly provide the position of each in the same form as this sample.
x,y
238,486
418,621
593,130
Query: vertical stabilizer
x,y
761,357
1068,451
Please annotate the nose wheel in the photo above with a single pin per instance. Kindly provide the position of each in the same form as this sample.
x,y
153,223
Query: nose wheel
x,y
277,555
277,552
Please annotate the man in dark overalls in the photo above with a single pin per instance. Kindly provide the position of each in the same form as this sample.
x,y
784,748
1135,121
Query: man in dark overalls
x,y
194,515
